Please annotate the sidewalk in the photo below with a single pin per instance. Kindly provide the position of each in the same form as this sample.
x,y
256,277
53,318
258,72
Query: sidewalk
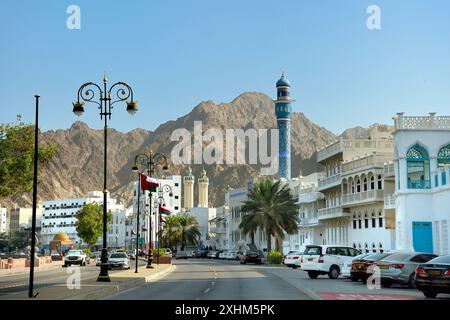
x,y
23,269
92,290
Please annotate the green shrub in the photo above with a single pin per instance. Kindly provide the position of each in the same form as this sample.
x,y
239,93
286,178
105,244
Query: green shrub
x,y
274,257
161,251
88,252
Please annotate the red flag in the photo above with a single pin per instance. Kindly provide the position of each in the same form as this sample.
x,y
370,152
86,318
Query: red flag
x,y
148,183
133,232
163,210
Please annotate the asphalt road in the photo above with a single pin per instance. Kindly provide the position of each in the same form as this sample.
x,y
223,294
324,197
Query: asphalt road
x,y
215,279
19,282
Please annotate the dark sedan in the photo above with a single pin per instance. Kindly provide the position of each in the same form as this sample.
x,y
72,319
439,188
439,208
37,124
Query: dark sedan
x,y
359,267
433,277
252,257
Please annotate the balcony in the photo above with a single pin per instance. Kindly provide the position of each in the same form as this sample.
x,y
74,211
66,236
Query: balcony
x,y
362,197
218,230
389,202
419,184
329,182
307,222
333,212
389,170
329,151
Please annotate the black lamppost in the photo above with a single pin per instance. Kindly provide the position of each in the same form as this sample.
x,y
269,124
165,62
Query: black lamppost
x,y
149,161
160,201
87,93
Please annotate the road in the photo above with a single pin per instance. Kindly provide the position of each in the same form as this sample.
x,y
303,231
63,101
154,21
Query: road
x,y
19,282
214,279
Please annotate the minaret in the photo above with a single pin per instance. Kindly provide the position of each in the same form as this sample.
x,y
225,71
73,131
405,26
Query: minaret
x,y
188,185
203,183
283,112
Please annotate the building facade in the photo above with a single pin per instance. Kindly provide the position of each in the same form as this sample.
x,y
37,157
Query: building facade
x,y
422,183
60,216
4,221
188,185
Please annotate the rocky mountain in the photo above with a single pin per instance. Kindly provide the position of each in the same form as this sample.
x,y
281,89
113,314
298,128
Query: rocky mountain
x,y
78,167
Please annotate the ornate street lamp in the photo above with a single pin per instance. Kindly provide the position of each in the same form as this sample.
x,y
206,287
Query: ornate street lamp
x,y
89,92
149,161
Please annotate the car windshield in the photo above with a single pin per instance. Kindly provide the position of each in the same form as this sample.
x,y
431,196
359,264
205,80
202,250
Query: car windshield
x,y
399,256
74,252
252,252
361,256
118,255
294,253
313,250
443,259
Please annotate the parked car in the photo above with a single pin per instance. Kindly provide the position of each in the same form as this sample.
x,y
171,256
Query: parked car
x,y
118,260
284,257
326,260
131,255
360,265
182,254
346,268
401,267
233,255
433,277
292,258
75,257
211,254
251,256
202,254
223,254
98,259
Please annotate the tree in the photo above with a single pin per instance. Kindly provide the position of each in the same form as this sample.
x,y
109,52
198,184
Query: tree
x,y
90,223
180,231
188,226
272,207
19,239
4,240
17,158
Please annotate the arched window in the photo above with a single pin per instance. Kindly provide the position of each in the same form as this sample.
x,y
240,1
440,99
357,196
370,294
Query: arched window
x,y
359,222
380,246
358,185
366,221
367,247
374,220
354,221
418,168
380,219
372,183
443,157
365,184
379,182
374,249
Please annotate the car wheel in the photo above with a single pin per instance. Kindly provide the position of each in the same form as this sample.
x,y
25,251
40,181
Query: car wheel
x,y
333,273
294,267
411,281
313,274
430,294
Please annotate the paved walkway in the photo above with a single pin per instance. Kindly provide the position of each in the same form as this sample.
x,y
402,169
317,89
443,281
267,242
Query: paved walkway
x,y
90,289
23,269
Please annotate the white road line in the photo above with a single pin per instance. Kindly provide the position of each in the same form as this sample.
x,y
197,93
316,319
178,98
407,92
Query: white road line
x,y
207,290
213,283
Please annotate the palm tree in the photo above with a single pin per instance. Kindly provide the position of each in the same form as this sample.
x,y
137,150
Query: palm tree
x,y
169,233
272,207
188,229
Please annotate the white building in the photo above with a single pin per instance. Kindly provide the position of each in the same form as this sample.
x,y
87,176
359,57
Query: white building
x,y
203,216
422,183
218,229
117,230
59,215
4,223
171,194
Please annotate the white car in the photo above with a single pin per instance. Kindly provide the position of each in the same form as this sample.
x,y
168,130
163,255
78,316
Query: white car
x,y
232,255
293,259
118,260
223,254
75,257
329,260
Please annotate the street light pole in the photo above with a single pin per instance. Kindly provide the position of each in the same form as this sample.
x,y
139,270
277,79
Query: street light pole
x,y
87,93
33,217
150,161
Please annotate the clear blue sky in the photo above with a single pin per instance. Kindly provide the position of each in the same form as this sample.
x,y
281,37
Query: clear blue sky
x,y
178,53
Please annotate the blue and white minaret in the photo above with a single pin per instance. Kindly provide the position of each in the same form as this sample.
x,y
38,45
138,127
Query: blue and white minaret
x,y
283,112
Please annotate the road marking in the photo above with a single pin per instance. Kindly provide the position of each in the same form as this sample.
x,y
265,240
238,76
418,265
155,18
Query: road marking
x,y
213,283
207,290
363,296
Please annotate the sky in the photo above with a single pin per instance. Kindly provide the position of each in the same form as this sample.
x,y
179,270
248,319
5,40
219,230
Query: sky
x,y
177,53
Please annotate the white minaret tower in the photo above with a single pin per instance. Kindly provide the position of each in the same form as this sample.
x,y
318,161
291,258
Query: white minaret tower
x,y
188,185
203,183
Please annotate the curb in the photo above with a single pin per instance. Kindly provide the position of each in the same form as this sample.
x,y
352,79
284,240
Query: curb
x,y
110,290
